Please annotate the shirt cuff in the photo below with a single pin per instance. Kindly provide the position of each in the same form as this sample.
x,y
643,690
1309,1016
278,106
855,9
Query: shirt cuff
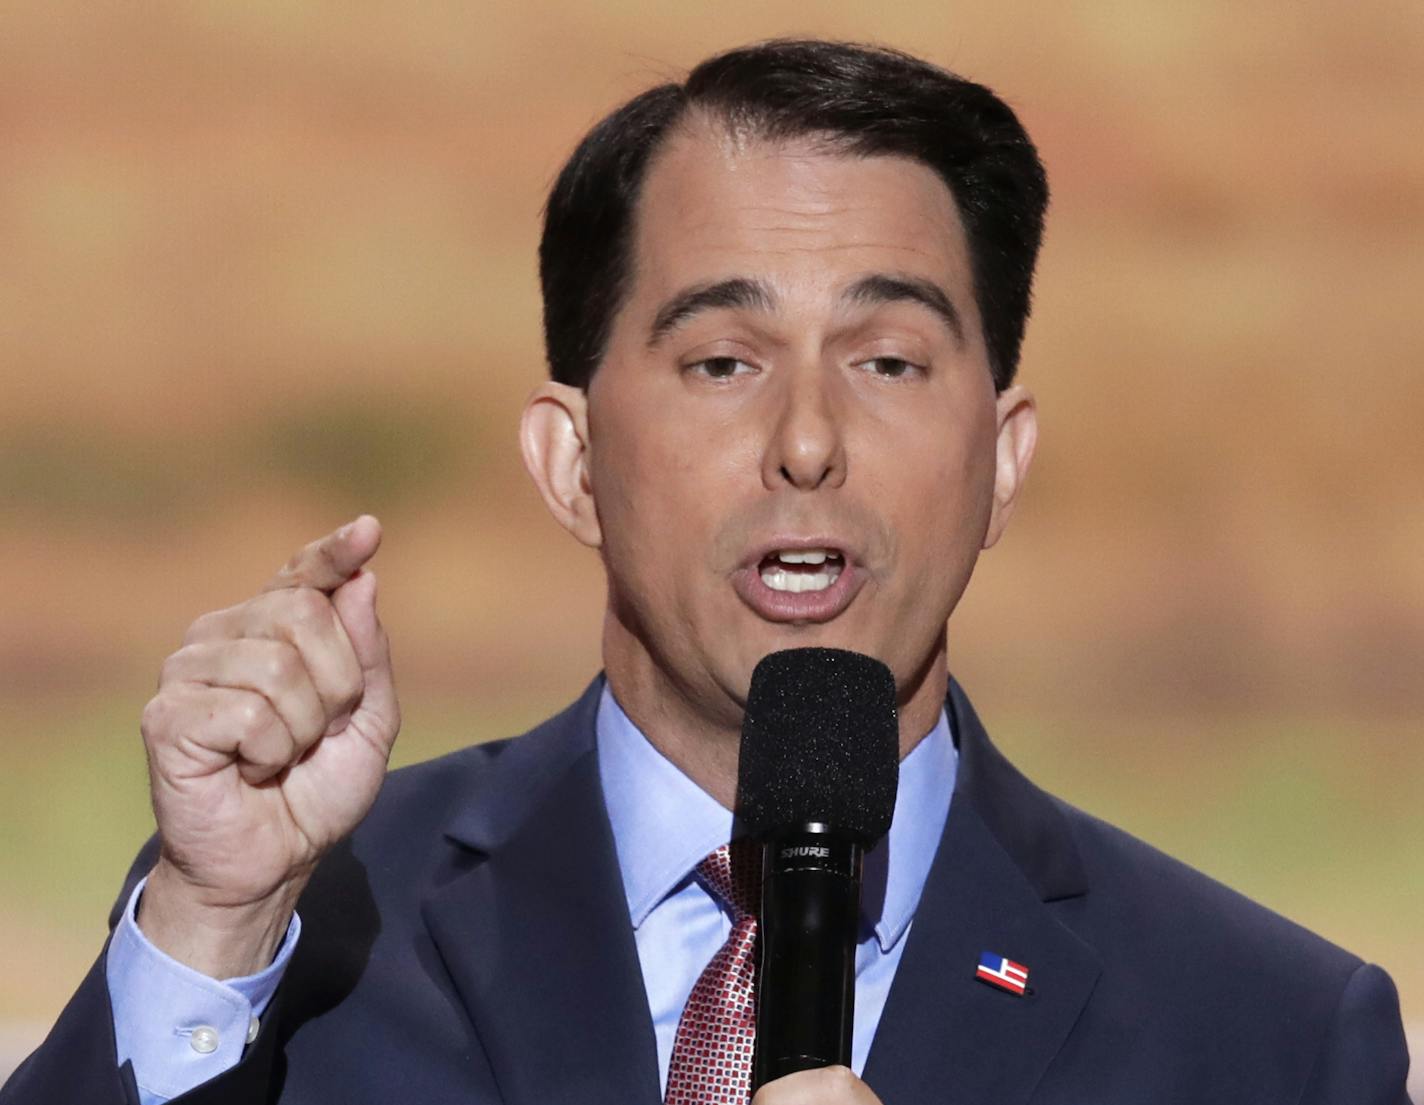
x,y
179,1026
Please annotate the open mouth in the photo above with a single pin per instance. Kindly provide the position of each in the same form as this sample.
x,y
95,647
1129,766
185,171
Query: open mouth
x,y
799,570
805,582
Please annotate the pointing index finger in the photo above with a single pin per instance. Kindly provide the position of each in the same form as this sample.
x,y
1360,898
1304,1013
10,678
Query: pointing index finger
x,y
330,561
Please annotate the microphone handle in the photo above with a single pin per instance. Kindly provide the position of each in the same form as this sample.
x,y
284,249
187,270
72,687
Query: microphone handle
x,y
806,941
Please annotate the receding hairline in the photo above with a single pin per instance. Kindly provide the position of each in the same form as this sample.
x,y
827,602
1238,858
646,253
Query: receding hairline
x,y
743,135
743,131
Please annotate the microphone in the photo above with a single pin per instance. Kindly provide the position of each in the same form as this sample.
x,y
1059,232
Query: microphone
x,y
816,785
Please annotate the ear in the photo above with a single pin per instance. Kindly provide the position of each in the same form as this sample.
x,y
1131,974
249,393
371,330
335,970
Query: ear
x,y
553,435
1017,435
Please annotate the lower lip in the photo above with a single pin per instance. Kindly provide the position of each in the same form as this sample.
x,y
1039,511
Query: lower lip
x,y
797,606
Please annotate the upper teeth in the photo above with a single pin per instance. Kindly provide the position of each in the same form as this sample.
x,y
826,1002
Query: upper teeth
x,y
803,556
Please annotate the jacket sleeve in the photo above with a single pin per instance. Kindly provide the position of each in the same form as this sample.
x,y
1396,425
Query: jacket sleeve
x,y
78,1062
1363,1059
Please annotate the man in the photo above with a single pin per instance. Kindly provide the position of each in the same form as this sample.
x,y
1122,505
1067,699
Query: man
x,y
783,304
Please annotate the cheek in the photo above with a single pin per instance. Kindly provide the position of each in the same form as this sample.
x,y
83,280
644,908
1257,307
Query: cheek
x,y
942,502
658,451
656,490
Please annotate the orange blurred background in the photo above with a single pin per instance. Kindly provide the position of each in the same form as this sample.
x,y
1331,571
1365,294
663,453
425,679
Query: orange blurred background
x,y
268,265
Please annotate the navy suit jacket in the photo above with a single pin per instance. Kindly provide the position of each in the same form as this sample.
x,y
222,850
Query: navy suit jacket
x,y
470,944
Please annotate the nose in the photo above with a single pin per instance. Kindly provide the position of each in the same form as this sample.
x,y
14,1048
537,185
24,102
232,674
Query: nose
x,y
807,448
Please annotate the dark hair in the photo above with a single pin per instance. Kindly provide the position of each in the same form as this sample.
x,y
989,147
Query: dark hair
x,y
864,100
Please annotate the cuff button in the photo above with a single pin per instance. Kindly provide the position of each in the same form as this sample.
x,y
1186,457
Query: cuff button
x,y
204,1039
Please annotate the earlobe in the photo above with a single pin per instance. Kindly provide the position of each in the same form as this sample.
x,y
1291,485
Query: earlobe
x,y
553,436
1017,415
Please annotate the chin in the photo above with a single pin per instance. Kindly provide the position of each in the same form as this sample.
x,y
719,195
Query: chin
x,y
818,635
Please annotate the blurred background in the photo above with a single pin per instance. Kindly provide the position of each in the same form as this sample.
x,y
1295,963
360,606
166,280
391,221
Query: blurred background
x,y
265,265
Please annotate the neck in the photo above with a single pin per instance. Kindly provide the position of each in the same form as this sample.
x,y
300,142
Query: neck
x,y
700,730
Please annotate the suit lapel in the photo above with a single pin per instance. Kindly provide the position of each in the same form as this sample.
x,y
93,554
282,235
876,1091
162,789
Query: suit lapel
x,y
533,927
1006,857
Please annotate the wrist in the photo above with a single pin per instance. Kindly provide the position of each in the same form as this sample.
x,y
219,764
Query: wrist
x,y
221,941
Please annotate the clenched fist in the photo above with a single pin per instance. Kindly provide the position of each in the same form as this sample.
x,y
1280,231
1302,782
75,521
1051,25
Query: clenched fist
x,y
267,742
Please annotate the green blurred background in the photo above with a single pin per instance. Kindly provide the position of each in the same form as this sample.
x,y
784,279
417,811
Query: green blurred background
x,y
267,265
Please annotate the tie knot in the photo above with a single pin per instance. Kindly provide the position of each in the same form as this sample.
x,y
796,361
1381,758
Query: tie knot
x,y
733,873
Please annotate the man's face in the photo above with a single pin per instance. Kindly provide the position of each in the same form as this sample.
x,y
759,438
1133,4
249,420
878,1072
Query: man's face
x,y
792,439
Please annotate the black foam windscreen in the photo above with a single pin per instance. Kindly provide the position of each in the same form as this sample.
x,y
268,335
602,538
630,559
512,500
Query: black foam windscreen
x,y
820,742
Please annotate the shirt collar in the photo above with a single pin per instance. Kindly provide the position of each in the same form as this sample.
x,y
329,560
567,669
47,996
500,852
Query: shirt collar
x,y
897,867
664,823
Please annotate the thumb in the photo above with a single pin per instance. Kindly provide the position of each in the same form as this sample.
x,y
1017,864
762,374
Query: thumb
x,y
330,561
355,603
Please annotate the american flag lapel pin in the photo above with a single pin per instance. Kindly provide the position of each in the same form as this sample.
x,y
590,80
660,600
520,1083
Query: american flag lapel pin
x,y
1003,973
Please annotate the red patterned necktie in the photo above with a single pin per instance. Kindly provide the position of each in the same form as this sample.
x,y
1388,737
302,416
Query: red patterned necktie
x,y
712,1052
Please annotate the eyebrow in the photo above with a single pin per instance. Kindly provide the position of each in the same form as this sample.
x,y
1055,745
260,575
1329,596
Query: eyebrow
x,y
881,288
739,292
745,293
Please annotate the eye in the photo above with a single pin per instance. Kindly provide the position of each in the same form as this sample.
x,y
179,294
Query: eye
x,y
720,368
893,368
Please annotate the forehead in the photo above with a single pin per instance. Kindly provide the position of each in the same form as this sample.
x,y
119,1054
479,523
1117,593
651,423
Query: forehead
x,y
716,202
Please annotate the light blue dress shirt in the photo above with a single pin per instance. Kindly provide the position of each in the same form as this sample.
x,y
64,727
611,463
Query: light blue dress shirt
x,y
182,1028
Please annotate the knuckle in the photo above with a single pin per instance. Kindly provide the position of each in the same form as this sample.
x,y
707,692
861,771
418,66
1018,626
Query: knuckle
x,y
250,715
213,624
199,628
154,717
307,608
275,670
168,672
325,551
179,666
840,1078
283,667
351,687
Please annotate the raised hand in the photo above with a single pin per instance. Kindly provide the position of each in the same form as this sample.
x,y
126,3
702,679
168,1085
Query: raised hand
x,y
267,743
